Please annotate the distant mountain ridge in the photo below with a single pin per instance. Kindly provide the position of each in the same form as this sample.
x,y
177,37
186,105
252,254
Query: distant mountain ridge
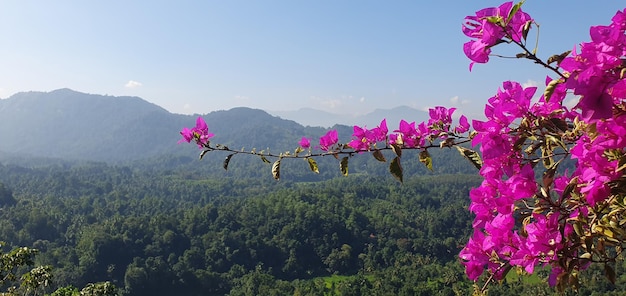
x,y
65,127
69,124
72,125
314,117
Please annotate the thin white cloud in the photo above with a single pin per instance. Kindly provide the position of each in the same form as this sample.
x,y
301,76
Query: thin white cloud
x,y
328,104
132,84
530,83
362,99
331,104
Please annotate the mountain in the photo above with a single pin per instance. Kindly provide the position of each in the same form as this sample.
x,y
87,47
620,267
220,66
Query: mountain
x,y
68,124
77,126
64,127
313,117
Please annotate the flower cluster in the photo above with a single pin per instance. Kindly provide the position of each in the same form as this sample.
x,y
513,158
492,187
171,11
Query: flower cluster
x,y
593,134
329,140
200,134
595,74
363,139
488,28
408,135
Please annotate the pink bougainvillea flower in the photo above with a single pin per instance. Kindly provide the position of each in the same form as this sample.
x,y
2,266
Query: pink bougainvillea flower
x,y
544,234
304,143
524,257
474,255
555,272
440,115
476,51
494,143
187,135
328,140
511,102
363,139
488,27
463,125
380,132
410,135
199,133
202,129
595,71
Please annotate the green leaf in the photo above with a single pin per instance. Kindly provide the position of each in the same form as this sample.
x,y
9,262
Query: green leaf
x,y
519,143
227,160
610,273
546,157
395,168
203,153
604,230
526,29
426,159
578,228
276,169
379,156
586,255
397,149
550,89
559,124
513,11
494,19
558,58
548,176
313,165
264,159
343,165
471,155
298,150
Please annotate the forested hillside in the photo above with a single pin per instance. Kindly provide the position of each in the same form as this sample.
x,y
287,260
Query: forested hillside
x,y
71,125
173,232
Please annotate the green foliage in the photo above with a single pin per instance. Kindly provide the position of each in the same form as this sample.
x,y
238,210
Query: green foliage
x,y
66,291
6,196
15,281
99,289
171,233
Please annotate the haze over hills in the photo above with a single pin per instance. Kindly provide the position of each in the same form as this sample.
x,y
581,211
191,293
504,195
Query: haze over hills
x,y
313,117
73,125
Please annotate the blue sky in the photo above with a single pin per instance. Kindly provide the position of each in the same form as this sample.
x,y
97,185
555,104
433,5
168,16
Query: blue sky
x,y
339,56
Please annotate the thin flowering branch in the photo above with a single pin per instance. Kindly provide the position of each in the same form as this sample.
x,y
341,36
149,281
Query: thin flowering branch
x,y
364,140
436,132
533,57
343,149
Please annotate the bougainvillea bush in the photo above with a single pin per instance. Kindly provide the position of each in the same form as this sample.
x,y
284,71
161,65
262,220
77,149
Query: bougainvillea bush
x,y
528,212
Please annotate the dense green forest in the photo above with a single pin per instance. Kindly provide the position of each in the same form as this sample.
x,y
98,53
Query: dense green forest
x,y
181,232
